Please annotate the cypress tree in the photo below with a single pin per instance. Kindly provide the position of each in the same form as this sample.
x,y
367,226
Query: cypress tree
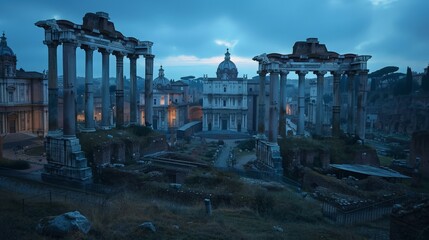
x,y
408,82
425,81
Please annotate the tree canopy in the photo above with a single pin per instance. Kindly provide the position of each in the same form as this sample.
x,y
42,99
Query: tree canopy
x,y
383,71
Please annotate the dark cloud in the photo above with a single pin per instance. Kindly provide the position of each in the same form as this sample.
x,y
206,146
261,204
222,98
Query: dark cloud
x,y
396,30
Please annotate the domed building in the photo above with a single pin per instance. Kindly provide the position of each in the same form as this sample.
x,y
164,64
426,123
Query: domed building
x,y
170,103
23,96
225,99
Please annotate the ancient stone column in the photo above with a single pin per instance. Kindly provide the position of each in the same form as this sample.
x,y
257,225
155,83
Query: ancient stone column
x,y
361,104
351,102
336,104
301,102
319,111
261,105
52,85
148,105
89,92
119,89
283,99
69,75
133,89
105,96
274,106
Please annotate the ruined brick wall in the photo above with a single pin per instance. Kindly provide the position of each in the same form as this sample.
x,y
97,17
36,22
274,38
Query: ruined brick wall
x,y
420,148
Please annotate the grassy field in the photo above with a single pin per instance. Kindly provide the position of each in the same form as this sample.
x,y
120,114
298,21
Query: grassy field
x,y
254,212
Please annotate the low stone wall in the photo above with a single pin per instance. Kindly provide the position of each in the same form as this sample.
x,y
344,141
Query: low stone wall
x,y
120,151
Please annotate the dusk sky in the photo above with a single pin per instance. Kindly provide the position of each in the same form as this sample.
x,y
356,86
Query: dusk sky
x,y
191,36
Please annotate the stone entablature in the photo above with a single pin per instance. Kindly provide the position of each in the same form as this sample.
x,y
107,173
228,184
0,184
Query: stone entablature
x,y
96,31
311,57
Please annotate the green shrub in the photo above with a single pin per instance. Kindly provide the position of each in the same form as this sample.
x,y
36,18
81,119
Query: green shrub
x,y
246,145
141,130
264,202
14,164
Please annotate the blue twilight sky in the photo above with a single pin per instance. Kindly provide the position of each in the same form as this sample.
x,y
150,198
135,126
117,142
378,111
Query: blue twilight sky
x,y
191,36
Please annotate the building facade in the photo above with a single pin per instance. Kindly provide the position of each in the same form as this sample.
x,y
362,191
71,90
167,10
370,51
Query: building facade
x,y
23,96
170,103
225,99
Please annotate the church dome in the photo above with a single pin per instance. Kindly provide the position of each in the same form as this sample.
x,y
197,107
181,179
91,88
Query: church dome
x,y
161,80
4,49
227,68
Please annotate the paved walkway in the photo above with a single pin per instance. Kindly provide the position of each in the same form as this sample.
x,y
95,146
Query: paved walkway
x,y
224,156
14,145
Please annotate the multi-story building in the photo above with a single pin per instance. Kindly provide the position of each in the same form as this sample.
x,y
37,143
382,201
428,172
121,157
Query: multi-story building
x,y
170,103
23,96
225,99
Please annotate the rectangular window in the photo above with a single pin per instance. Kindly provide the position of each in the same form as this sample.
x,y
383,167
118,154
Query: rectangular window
x,y
10,96
224,103
154,101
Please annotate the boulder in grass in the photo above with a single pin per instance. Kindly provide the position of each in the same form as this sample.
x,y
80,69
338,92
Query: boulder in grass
x,y
148,226
64,224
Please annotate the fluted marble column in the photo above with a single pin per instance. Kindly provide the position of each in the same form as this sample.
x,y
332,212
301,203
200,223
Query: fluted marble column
x,y
105,95
261,104
274,106
148,105
361,104
89,92
336,104
69,75
52,85
351,102
133,89
119,89
319,111
301,102
283,99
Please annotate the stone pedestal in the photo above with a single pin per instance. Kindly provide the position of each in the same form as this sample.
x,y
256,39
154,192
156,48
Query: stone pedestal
x,y
66,161
268,156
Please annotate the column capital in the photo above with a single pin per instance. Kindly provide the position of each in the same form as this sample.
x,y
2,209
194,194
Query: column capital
x,y
262,73
363,72
89,48
284,72
320,73
105,51
133,56
149,56
351,73
301,73
119,54
274,71
336,73
51,43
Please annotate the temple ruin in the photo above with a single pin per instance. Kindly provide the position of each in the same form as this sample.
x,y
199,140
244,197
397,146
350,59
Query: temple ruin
x,y
65,159
308,56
